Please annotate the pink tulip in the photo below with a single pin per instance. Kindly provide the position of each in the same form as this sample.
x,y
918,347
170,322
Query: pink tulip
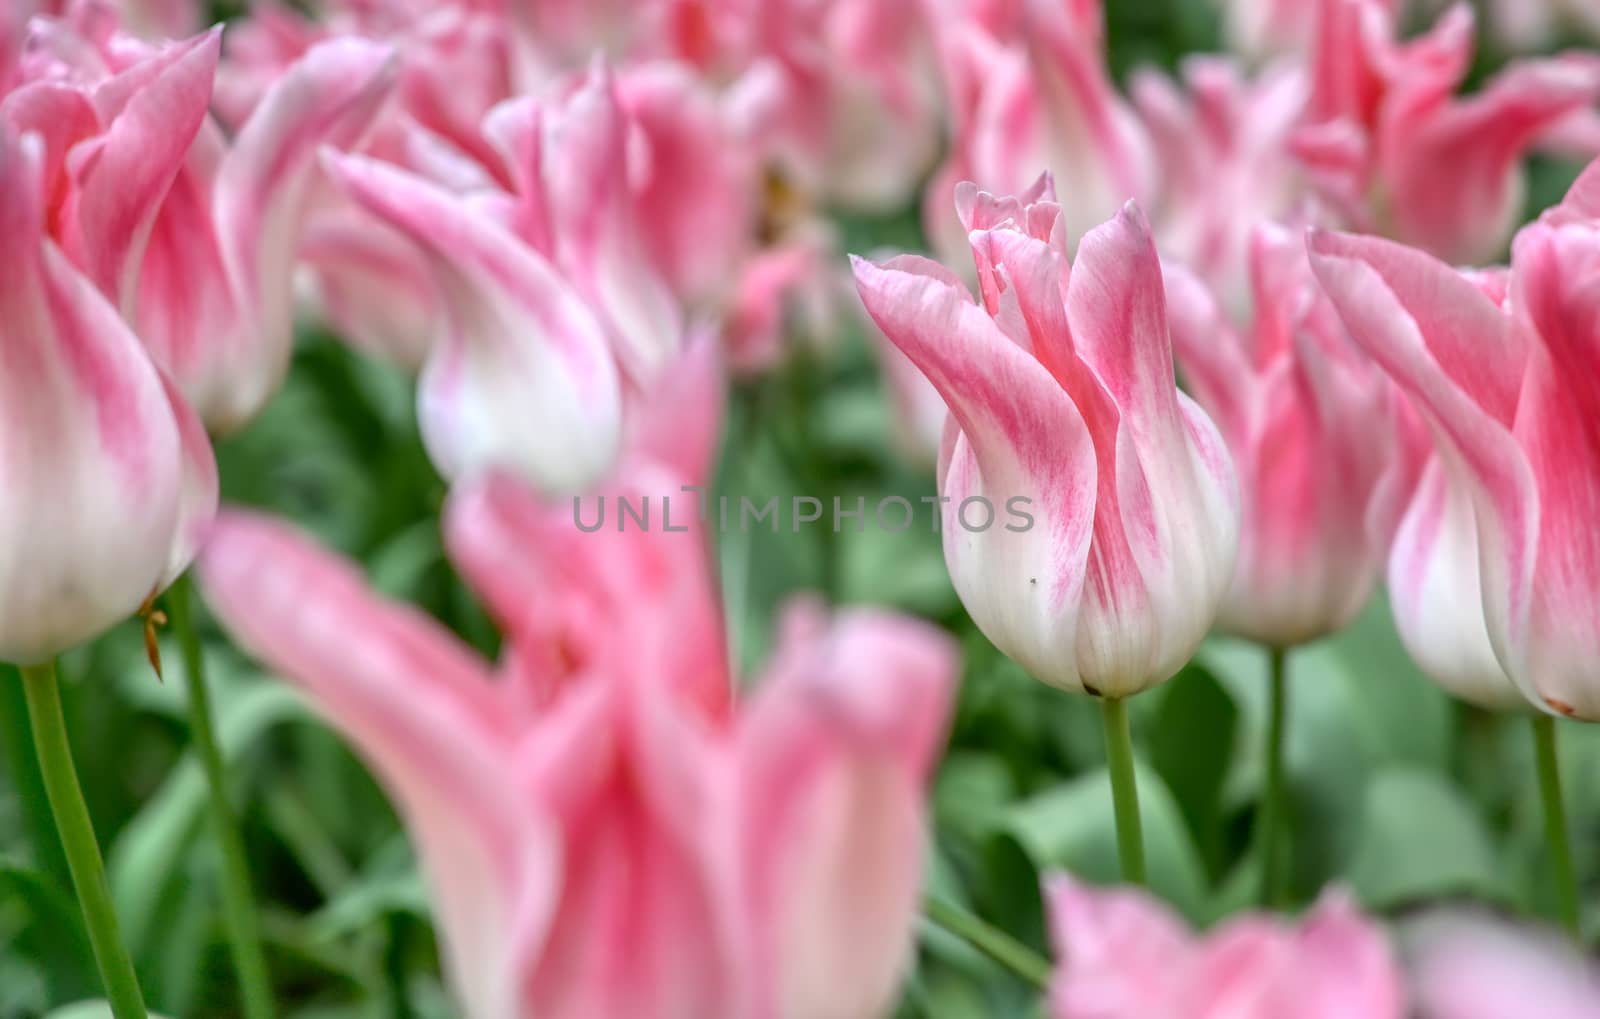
x,y
1392,146
1312,425
107,472
1062,399
1467,965
858,121
1123,955
1032,94
606,836
524,377
1223,143
1504,387
214,297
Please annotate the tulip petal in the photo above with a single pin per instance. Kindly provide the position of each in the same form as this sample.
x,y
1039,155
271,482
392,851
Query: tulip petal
x,y
833,753
263,187
123,175
420,708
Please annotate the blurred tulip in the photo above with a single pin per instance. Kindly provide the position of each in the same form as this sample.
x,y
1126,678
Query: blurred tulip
x,y
524,377
1062,400
1222,141
1526,25
106,471
605,837
858,120
1391,146
214,298
1470,965
1123,955
1506,389
1313,427
1032,94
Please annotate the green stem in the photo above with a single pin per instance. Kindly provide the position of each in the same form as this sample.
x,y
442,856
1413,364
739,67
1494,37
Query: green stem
x,y
77,839
1272,802
1124,789
1555,822
990,940
238,905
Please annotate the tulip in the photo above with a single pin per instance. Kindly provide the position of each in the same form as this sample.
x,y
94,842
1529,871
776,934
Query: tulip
x,y
1062,402
99,449
1505,389
1470,965
1392,148
524,377
1223,141
771,850
1123,955
1031,94
858,120
1312,427
214,294
1061,390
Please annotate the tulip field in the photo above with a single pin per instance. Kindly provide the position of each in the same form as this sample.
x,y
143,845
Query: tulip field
x,y
800,509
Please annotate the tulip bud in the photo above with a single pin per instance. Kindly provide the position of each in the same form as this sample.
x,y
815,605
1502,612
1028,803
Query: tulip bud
x,y
1313,427
1507,391
94,448
1063,403
524,377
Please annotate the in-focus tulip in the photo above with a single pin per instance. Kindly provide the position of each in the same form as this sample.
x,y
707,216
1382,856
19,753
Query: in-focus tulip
x,y
1124,955
606,836
1062,399
1394,149
1507,390
1030,93
1472,965
1314,429
98,451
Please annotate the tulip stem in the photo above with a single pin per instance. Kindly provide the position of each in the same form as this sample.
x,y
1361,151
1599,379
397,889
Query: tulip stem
x,y
78,841
990,940
238,905
1555,822
1272,812
1124,789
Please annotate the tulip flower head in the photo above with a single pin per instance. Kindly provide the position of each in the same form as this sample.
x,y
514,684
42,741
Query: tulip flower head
x,y
607,835
1383,131
1506,389
1313,426
1061,393
1123,955
97,446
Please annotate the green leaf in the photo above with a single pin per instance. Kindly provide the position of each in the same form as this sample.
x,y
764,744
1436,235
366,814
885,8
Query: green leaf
x,y
1073,828
1420,839
49,931
1191,746
145,864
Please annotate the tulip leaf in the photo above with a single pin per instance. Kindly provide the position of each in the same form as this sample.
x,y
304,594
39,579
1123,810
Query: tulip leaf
x,y
1420,839
1073,828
